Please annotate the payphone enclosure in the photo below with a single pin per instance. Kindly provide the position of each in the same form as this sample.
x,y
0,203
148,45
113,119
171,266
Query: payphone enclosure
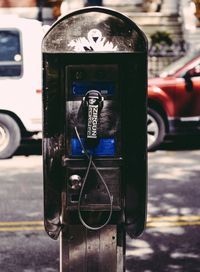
x,y
94,122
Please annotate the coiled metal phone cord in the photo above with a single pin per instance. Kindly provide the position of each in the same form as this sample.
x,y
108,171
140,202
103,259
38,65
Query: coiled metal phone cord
x,y
91,162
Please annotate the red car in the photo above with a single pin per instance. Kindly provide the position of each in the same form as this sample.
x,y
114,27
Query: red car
x,y
174,100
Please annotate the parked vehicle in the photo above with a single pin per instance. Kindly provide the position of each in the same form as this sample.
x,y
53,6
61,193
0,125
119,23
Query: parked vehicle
x,y
174,100
20,81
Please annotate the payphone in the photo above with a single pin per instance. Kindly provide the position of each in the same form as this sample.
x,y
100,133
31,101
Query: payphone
x,y
94,129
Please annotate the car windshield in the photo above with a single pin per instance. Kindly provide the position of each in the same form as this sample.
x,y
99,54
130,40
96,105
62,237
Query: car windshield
x,y
175,66
10,53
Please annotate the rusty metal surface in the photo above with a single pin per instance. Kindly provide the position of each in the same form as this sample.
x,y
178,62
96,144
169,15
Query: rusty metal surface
x,y
88,251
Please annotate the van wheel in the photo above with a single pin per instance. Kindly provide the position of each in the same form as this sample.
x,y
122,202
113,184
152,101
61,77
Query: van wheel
x,y
10,136
155,129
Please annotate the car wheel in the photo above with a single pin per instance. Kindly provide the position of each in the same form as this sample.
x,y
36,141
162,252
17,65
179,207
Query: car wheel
x,y
10,136
155,129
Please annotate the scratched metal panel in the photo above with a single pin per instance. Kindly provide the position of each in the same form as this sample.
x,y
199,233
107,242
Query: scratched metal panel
x,y
108,249
91,251
97,196
94,29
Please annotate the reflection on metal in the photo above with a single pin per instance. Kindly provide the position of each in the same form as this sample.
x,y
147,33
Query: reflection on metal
x,y
93,42
88,251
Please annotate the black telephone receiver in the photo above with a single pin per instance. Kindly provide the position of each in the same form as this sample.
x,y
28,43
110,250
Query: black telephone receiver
x,y
93,102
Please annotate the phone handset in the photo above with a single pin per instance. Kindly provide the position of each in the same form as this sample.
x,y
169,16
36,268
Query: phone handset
x,y
93,102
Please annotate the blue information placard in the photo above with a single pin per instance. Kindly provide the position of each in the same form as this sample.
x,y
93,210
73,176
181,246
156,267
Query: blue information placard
x,y
80,88
106,147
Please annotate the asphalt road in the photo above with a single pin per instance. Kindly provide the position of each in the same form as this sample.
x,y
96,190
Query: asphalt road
x,y
170,243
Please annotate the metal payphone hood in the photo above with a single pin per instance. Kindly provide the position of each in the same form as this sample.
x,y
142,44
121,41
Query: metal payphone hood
x,y
94,29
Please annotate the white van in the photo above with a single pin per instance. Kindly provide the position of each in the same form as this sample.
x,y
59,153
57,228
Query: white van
x,y
20,81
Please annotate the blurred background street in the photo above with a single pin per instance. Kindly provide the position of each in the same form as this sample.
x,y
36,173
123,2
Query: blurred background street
x,y
171,241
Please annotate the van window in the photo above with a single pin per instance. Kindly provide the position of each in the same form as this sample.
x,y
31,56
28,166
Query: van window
x,y
10,53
